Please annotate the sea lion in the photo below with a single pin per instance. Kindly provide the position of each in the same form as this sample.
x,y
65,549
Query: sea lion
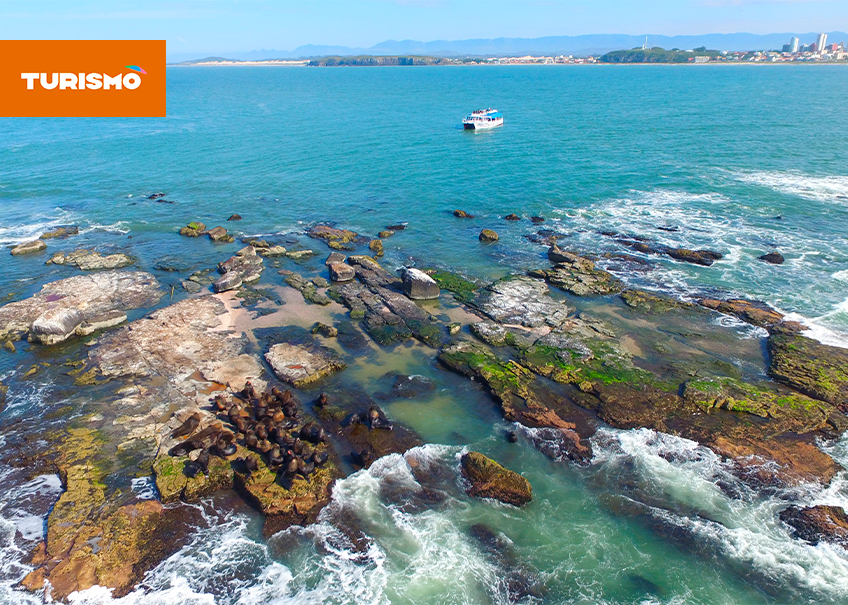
x,y
248,392
320,458
187,427
304,468
322,401
201,464
264,446
279,416
361,458
291,467
185,448
297,448
261,431
512,436
275,457
377,419
250,440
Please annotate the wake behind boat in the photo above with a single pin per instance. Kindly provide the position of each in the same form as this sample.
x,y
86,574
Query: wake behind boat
x,y
482,119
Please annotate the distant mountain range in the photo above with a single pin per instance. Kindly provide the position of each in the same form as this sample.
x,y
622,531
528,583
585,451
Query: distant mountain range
x,y
592,44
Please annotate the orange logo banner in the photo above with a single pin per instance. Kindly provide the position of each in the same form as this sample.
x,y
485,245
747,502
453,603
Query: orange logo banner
x,y
82,78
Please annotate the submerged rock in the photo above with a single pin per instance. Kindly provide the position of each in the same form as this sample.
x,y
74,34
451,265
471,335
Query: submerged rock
x,y
91,260
818,523
417,285
61,308
697,257
462,214
29,247
410,387
490,480
300,366
60,232
650,302
512,217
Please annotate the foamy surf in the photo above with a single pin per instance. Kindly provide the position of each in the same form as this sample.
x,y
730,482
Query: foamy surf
x,y
806,186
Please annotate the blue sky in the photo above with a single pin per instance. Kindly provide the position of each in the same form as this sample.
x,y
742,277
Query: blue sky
x,y
220,26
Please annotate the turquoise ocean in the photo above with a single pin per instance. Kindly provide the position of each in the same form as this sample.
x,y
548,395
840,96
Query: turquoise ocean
x,y
744,160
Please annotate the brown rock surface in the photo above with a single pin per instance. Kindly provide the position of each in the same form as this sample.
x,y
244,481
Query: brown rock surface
x,y
490,480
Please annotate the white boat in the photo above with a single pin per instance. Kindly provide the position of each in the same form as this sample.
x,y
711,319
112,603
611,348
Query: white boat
x,y
482,119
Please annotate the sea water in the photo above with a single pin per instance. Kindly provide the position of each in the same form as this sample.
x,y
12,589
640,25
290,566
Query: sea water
x,y
739,159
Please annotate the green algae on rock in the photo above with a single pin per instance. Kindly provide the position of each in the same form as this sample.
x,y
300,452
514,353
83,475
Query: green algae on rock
x,y
491,480
651,302
818,370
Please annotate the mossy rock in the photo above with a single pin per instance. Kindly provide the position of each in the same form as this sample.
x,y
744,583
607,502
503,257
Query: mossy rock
x,y
491,480
815,369
462,289
648,302
173,484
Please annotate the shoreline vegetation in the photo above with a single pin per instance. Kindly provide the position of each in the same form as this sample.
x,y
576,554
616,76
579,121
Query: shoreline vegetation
x,y
653,56
234,385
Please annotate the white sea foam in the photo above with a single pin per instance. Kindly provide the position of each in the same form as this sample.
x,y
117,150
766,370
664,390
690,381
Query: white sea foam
x,y
818,188
744,531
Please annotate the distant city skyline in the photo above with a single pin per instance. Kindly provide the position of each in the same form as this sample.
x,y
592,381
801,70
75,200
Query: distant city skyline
x,y
219,27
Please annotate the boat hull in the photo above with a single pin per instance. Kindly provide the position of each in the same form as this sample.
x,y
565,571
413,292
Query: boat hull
x,y
482,125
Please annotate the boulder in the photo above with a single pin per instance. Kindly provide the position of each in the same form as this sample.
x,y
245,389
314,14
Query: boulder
x,y
398,227
334,258
813,368
29,247
376,246
229,281
300,254
775,258
234,217
60,232
537,219
91,260
271,251
417,285
54,314
301,367
462,214
512,217
220,235
331,235
340,272
489,479
487,235
193,229
324,330
385,234
818,523
578,275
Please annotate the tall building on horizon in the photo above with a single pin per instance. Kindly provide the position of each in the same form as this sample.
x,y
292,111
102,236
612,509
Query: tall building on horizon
x,y
821,42
793,45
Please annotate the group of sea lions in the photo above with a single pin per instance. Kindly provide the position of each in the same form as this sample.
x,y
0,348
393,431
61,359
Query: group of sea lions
x,y
267,423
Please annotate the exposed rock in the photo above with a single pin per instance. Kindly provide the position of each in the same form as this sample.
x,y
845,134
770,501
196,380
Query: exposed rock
x,y
220,235
234,217
334,237
487,235
371,272
76,300
94,539
193,229
775,258
462,214
29,247
91,260
462,289
376,246
512,217
490,480
521,300
815,369
818,523
229,281
385,234
578,275
335,258
537,219
192,287
558,255
271,251
340,272
419,286
753,312
300,366
398,227
492,333
61,232
101,322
